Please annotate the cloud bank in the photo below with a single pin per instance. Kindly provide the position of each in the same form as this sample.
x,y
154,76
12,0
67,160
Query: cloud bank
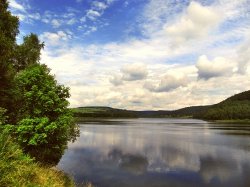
x,y
194,53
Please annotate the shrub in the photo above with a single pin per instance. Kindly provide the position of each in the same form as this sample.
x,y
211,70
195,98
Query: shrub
x,y
44,124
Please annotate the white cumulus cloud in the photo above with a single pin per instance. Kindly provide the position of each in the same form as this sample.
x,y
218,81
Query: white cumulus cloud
x,y
16,6
135,71
167,83
217,67
92,14
166,77
195,23
99,5
56,23
244,57
55,38
116,80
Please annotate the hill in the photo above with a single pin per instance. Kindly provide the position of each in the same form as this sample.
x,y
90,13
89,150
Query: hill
x,y
102,112
235,107
187,112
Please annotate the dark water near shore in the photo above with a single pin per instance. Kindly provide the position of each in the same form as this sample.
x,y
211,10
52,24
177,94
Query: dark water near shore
x,y
159,152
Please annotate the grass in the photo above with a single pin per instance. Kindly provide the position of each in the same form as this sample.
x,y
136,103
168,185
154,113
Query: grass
x,y
19,170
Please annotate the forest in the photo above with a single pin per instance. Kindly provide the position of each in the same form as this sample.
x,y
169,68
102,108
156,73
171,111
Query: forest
x,y
233,108
236,107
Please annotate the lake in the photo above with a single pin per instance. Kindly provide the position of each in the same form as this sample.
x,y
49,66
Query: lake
x,y
159,152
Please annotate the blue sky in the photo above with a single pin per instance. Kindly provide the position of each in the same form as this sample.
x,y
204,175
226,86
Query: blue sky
x,y
143,54
90,21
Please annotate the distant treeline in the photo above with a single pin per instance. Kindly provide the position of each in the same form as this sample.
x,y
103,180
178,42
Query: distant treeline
x,y
235,107
103,112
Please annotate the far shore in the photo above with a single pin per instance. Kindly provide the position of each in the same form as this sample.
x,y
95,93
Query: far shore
x,y
226,121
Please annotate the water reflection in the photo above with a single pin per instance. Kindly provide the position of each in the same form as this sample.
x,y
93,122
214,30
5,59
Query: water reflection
x,y
158,152
136,164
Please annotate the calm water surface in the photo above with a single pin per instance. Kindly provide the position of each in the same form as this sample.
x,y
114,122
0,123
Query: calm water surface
x,y
159,152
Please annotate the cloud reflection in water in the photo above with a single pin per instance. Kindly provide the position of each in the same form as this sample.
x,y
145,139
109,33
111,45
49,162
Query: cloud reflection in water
x,y
158,152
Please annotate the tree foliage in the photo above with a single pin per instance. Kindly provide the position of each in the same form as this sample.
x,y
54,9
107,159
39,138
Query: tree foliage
x,y
28,53
233,108
45,124
36,105
39,93
8,33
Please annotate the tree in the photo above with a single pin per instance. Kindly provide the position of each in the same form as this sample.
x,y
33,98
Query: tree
x,y
40,120
13,57
27,53
45,124
8,32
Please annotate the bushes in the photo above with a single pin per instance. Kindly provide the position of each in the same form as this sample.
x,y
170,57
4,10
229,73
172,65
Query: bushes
x,y
44,123
18,169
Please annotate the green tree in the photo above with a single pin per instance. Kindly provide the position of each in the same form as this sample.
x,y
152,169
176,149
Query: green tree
x,y
28,53
45,124
36,104
8,33
13,57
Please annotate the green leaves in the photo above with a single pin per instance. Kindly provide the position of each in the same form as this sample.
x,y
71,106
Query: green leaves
x,y
8,33
40,95
2,116
31,131
28,53
36,104
45,122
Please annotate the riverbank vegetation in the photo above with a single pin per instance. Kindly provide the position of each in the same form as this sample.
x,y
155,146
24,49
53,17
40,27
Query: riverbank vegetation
x,y
18,169
35,121
234,109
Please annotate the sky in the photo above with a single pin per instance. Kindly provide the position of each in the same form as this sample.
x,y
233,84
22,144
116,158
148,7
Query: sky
x,y
142,54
